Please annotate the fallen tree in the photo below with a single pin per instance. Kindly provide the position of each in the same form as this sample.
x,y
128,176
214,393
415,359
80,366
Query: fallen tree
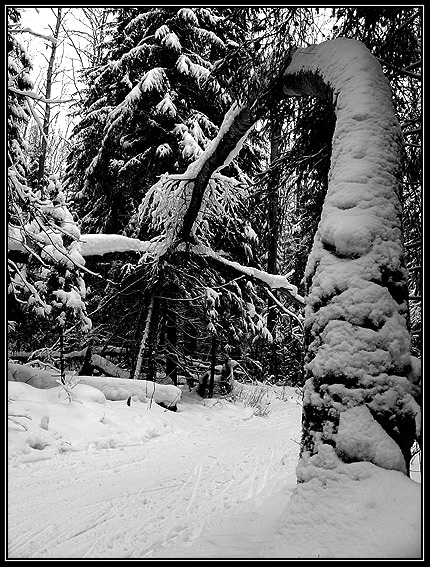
x,y
113,388
88,358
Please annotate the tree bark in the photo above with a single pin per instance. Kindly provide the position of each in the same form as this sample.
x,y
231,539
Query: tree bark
x,y
87,368
238,128
273,195
273,226
171,346
213,364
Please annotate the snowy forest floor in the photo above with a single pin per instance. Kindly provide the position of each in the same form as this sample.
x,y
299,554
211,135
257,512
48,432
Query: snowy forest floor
x,y
95,480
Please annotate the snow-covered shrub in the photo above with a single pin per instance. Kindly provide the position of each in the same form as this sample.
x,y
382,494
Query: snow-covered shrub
x,y
256,395
69,383
49,278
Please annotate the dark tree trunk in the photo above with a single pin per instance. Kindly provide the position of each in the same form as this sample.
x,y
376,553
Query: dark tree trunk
x,y
87,368
242,122
273,226
153,340
213,364
171,346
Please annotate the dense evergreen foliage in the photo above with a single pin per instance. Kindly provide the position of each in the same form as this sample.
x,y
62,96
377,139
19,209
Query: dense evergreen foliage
x,y
18,68
151,108
158,86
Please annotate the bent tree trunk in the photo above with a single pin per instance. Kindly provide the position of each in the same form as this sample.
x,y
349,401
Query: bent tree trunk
x,y
358,402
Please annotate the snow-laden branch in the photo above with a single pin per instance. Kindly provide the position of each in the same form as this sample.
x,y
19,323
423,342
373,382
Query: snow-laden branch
x,y
35,96
176,202
101,244
273,281
50,38
38,230
282,307
219,153
166,202
90,244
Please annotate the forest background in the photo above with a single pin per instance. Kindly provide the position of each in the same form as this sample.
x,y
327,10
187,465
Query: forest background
x,y
87,150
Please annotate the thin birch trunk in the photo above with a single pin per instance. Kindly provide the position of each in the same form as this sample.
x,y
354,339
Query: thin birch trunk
x,y
47,114
144,340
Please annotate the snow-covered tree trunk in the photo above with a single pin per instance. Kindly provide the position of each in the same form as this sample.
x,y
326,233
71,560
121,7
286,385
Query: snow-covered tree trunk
x,y
235,127
358,401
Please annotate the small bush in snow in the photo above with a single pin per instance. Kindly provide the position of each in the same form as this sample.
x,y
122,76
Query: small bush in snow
x,y
256,395
68,383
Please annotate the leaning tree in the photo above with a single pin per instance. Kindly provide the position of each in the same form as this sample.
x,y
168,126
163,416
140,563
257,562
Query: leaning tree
x,y
359,398
360,394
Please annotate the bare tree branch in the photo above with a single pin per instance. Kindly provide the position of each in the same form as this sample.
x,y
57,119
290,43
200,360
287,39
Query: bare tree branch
x,y
50,38
31,94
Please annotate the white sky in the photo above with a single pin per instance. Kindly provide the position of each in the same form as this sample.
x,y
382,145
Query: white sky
x,y
42,20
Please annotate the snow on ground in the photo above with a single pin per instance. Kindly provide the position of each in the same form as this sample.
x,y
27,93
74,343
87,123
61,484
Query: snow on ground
x,y
96,478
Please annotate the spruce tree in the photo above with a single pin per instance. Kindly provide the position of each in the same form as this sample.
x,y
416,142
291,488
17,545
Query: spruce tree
x,y
150,108
18,68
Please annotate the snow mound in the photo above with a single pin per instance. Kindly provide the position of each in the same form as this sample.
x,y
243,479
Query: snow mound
x,y
361,438
45,422
113,388
359,497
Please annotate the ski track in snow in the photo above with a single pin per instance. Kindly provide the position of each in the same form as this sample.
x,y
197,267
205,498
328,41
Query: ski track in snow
x,y
154,499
